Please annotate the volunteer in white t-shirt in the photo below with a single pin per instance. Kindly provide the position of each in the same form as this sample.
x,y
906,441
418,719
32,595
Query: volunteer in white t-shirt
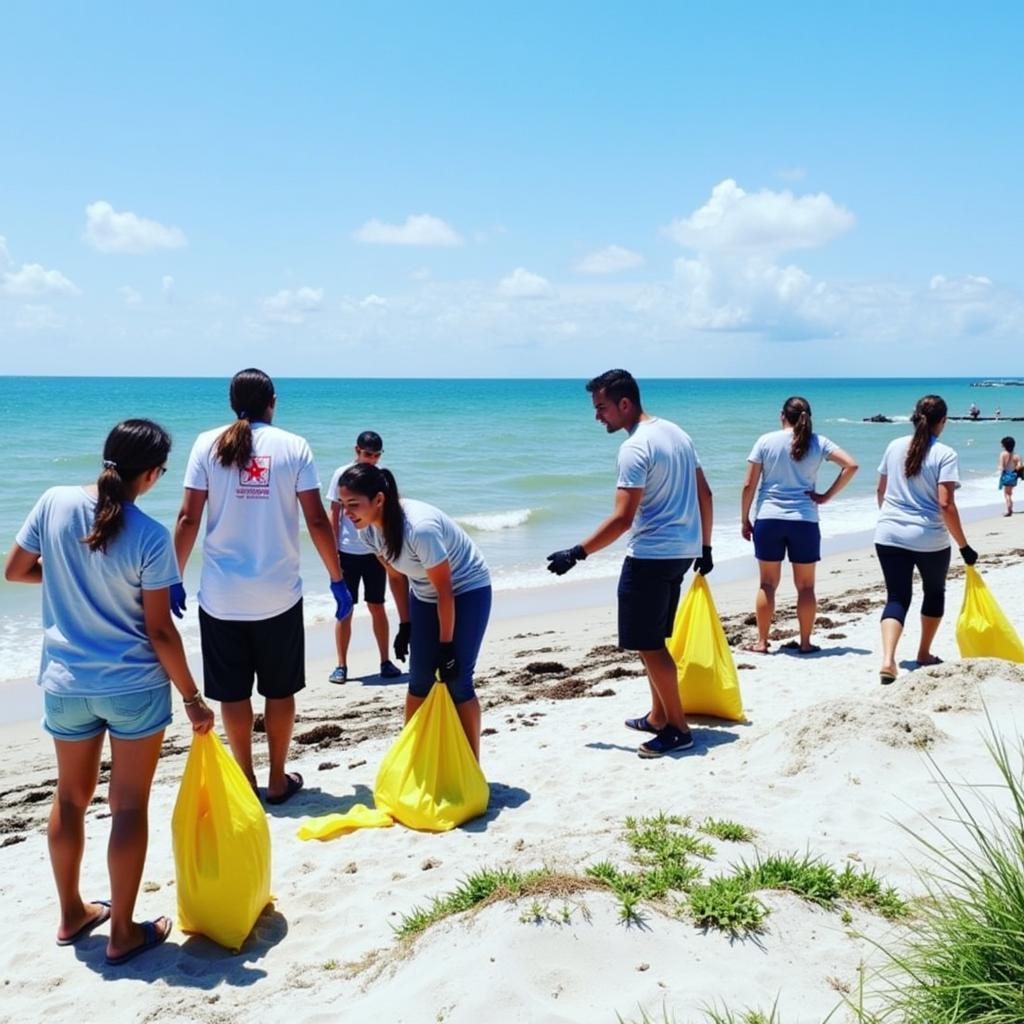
x,y
360,566
252,478
917,480
440,583
785,463
664,499
110,654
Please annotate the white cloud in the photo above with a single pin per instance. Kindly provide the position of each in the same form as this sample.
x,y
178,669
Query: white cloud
x,y
422,274
38,318
373,300
167,287
734,220
418,229
609,260
792,174
522,284
33,279
109,231
131,296
5,256
291,306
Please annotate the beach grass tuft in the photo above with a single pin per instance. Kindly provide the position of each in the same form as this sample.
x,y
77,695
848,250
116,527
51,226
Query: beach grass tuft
x,y
727,831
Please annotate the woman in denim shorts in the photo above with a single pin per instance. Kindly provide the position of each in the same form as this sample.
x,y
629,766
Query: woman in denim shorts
x,y
110,653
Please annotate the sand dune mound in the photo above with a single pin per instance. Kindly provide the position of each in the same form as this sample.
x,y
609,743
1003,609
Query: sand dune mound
x,y
953,686
819,731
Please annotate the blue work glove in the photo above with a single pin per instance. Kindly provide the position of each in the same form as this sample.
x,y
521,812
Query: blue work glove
x,y
402,640
177,599
447,664
343,600
705,563
560,562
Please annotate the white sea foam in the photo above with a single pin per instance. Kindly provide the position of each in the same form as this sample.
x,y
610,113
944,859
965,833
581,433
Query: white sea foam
x,y
487,522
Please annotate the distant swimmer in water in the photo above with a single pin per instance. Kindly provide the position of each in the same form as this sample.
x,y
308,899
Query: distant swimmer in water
x,y
1010,467
974,412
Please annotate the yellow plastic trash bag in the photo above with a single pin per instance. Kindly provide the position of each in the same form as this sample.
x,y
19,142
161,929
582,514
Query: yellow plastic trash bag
x,y
221,847
430,779
328,826
708,684
983,631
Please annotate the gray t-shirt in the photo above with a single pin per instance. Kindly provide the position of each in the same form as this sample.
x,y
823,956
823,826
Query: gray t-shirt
x,y
348,536
910,516
94,632
430,538
659,457
785,481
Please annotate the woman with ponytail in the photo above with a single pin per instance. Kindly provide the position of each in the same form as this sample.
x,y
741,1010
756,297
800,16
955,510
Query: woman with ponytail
x,y
917,480
110,655
252,478
785,463
443,619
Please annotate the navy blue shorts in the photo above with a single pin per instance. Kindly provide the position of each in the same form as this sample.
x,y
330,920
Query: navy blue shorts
x,y
365,569
472,610
648,598
776,539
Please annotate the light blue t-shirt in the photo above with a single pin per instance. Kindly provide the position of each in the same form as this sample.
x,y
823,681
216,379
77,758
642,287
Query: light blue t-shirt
x,y
784,481
910,516
94,635
659,457
430,537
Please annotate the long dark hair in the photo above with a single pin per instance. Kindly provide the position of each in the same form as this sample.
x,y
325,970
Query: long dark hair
x,y
797,412
369,481
251,395
131,448
929,412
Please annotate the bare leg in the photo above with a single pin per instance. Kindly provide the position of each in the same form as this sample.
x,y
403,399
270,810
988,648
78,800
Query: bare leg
x,y
469,716
806,602
78,768
237,718
929,627
1008,495
131,776
342,638
661,673
764,604
279,715
892,630
380,629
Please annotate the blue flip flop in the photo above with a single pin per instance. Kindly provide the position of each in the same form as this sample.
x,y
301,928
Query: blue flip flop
x,y
640,724
101,918
669,740
153,938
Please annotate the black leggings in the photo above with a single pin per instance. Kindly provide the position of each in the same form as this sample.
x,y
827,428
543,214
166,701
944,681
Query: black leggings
x,y
898,566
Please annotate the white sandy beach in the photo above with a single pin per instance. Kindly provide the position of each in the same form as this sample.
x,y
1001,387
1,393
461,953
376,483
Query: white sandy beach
x,y
829,762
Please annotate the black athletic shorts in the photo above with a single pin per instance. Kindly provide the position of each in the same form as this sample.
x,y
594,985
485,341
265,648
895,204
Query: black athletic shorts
x,y
648,596
272,650
368,569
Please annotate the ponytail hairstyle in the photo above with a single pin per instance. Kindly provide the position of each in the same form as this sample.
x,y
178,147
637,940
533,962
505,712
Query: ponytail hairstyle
x,y
797,412
251,395
369,481
132,448
929,412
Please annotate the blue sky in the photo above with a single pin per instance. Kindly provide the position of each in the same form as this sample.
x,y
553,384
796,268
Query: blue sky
x,y
410,189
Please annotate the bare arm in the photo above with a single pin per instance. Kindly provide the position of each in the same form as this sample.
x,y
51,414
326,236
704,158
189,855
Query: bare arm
x,y
883,483
847,467
440,577
398,584
747,495
23,566
335,517
627,501
166,641
705,499
951,514
320,533
186,529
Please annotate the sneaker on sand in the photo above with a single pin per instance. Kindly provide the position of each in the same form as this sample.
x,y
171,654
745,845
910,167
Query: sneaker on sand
x,y
665,742
389,670
339,675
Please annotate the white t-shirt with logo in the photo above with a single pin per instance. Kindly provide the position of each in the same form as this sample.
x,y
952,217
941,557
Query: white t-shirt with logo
x,y
431,537
910,516
786,481
251,550
349,542
659,457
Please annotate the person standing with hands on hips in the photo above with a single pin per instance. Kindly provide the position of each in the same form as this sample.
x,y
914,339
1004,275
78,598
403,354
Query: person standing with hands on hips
x,y
444,618
663,498
252,478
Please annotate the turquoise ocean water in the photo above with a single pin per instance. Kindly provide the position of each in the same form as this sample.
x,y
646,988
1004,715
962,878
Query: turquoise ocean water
x,y
520,463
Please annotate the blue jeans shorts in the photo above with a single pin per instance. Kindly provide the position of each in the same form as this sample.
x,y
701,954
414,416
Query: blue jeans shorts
x,y
774,539
472,610
128,716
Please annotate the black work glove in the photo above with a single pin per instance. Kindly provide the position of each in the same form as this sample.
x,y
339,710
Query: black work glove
x,y
705,563
447,664
968,554
402,640
560,562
